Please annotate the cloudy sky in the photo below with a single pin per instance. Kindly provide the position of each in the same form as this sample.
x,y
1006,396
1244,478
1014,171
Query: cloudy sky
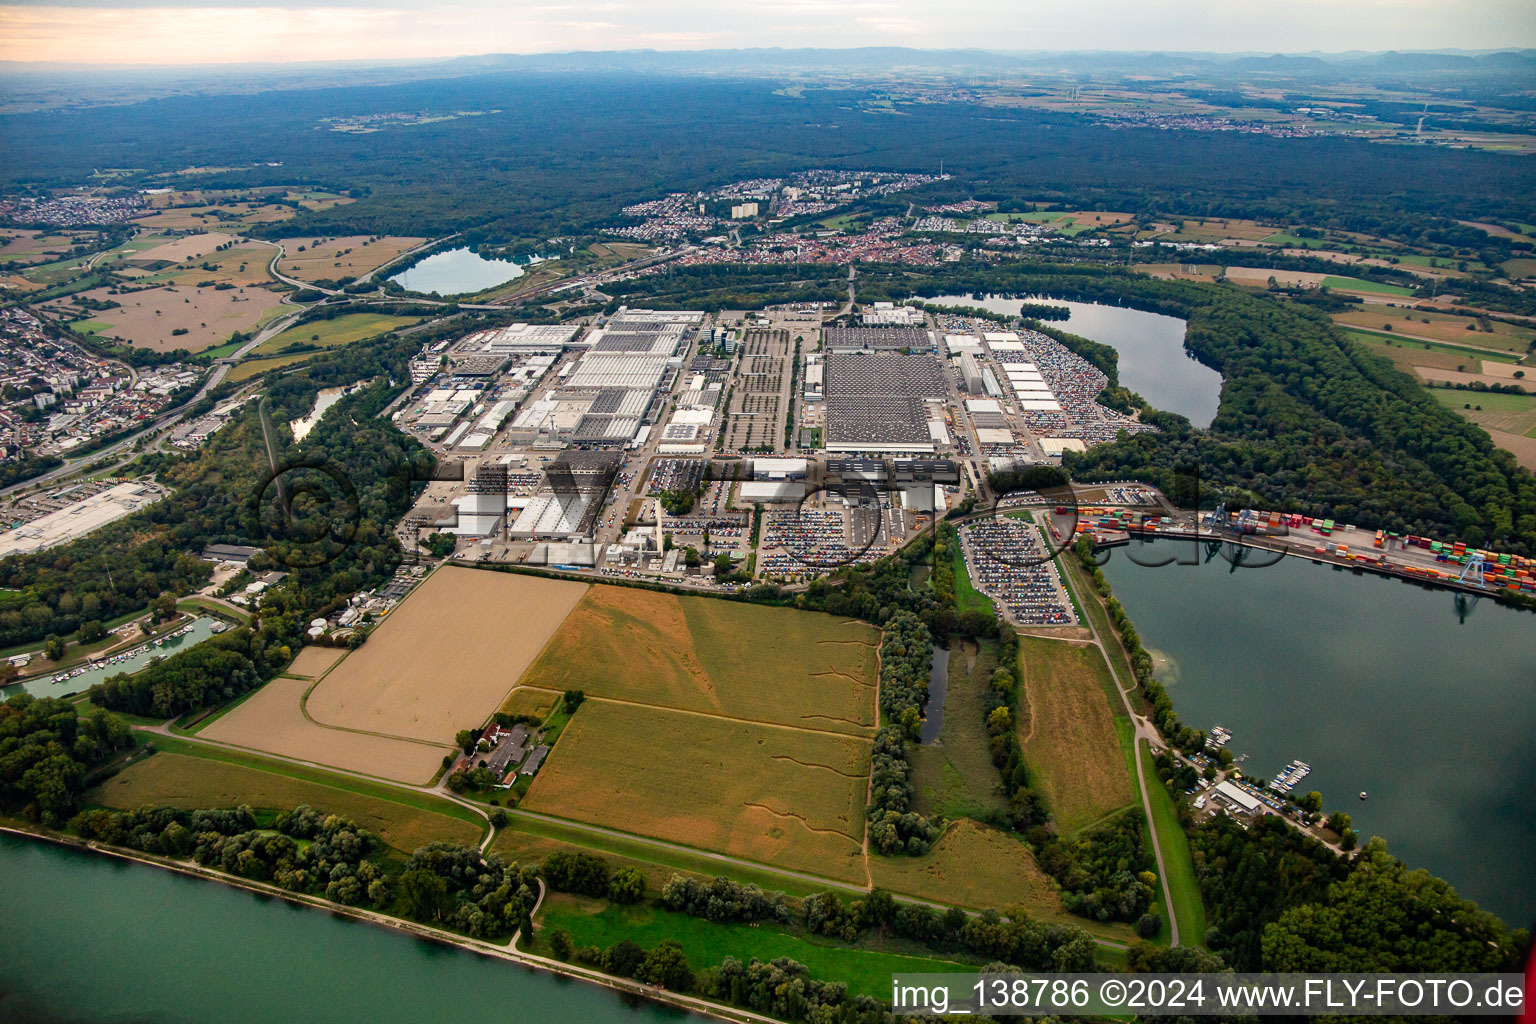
x,y
222,31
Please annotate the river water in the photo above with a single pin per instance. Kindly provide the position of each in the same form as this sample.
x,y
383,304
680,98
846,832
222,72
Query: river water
x,y
44,686
1379,685
90,938
459,272
1153,362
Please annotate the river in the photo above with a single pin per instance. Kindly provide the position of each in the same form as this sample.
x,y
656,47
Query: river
x,y
44,686
1378,685
460,272
92,938
1153,361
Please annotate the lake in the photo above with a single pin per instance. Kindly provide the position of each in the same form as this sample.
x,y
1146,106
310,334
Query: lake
x,y
90,938
44,686
938,689
323,401
1378,685
460,272
1153,361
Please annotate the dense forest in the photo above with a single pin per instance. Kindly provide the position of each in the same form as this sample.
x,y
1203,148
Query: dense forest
x,y
46,750
563,151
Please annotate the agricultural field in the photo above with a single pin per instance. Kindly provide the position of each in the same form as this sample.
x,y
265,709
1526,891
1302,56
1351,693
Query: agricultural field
x,y
209,316
1442,327
23,245
706,655
973,866
194,783
1258,277
273,721
248,368
1355,284
183,249
312,662
769,794
1214,229
1067,731
865,971
1509,419
954,777
330,259
1518,269
333,333
446,658
525,701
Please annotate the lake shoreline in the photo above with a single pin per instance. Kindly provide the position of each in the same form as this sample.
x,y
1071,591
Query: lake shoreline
x,y
509,952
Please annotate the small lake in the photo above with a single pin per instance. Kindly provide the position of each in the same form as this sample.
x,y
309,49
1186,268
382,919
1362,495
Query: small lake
x,y
1377,684
1153,362
157,946
44,686
323,401
460,272
938,689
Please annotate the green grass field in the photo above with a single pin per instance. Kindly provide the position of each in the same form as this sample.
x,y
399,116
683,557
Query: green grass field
x,y
955,777
1355,284
1183,887
341,330
865,971
1490,401
192,783
967,597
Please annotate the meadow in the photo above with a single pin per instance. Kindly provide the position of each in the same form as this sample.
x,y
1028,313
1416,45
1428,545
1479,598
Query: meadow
x,y
955,777
865,971
973,866
1067,731
147,318
726,658
770,794
333,333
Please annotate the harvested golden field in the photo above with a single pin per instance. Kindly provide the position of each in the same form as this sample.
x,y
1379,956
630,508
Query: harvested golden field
x,y
28,246
447,657
330,259
147,318
1259,277
972,865
725,658
194,783
1067,732
770,794
178,250
312,661
1459,330
273,721
234,216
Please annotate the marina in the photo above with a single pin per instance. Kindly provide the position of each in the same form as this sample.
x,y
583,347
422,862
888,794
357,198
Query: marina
x,y
1347,669
83,677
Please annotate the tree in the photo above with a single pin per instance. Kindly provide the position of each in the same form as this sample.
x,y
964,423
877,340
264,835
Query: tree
x,y
560,944
163,607
1312,802
424,894
627,885
1148,925
572,700
53,647
466,740
666,967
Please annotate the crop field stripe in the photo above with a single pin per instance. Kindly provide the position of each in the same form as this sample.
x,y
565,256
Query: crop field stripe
x,y
173,779
379,789
710,714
